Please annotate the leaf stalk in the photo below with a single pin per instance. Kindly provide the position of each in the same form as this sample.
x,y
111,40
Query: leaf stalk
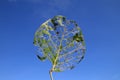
x,y
51,76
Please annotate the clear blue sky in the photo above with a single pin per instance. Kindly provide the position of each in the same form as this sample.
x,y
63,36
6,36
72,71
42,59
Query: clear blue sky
x,y
99,20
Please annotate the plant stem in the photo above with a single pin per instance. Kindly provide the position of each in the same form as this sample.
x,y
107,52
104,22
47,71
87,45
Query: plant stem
x,y
51,77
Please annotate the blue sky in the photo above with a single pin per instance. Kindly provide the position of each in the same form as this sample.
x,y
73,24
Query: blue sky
x,y
98,19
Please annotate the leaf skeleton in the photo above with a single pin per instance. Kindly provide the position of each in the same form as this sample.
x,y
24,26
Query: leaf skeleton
x,y
61,42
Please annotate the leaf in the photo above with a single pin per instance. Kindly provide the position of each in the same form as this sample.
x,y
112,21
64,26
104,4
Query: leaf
x,y
61,42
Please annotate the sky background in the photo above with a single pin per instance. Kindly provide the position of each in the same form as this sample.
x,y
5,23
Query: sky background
x,y
100,24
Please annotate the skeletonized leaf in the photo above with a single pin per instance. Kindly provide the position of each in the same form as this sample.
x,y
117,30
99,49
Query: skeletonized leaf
x,y
60,41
